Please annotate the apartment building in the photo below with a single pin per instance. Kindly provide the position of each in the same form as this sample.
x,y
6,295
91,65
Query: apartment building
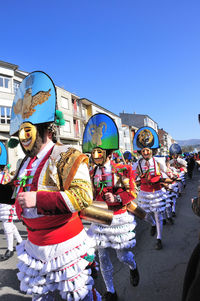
x,y
77,112
138,120
165,141
128,133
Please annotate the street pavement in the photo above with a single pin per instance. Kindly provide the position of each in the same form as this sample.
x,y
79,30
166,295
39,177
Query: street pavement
x,y
161,272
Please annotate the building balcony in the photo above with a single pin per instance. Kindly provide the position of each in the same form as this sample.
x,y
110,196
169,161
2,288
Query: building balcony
x,y
77,114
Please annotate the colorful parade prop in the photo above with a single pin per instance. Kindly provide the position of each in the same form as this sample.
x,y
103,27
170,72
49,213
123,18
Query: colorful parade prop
x,y
3,154
100,131
34,102
145,137
175,149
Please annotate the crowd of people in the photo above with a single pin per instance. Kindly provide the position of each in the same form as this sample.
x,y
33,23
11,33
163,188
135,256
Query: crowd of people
x,y
55,188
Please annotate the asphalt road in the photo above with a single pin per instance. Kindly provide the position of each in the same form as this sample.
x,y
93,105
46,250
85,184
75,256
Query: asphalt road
x,y
161,272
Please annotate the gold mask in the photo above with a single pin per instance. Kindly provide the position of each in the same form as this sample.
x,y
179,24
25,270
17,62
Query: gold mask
x,y
146,153
27,135
98,156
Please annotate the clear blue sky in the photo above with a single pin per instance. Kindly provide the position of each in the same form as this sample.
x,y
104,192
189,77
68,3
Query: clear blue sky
x,y
138,56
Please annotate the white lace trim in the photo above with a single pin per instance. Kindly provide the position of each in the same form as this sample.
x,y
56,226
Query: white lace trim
x,y
120,234
6,211
152,201
67,272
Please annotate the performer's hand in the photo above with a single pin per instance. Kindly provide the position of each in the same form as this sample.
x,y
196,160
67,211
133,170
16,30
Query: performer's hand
x,y
109,197
27,199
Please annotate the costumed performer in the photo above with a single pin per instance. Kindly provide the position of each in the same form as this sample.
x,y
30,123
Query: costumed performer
x,y
173,187
113,184
151,196
179,164
58,253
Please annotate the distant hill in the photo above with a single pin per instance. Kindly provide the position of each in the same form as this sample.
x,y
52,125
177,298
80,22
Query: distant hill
x,y
188,142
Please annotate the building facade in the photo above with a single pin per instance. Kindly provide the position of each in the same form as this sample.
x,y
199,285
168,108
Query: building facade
x,y
165,142
128,133
138,120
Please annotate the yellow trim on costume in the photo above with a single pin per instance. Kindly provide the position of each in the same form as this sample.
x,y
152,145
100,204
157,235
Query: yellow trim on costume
x,y
69,164
80,194
72,200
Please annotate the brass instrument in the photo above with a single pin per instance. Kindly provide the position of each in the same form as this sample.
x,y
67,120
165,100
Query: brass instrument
x,y
132,207
100,204
97,214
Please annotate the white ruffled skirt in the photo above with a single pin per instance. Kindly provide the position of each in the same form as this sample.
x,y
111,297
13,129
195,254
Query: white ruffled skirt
x,y
7,212
119,235
152,201
167,195
174,189
62,267
182,176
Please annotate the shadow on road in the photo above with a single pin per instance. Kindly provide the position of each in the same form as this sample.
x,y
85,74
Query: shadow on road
x,y
9,278
9,297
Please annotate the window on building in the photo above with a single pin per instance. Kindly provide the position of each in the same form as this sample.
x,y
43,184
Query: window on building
x,y
76,106
67,127
65,102
15,86
5,82
84,112
5,115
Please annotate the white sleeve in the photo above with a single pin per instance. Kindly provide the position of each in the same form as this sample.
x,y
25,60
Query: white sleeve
x,y
162,164
83,172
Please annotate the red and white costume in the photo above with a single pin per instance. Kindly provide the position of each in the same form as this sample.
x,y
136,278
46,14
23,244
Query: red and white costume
x,y
152,196
55,255
180,166
120,235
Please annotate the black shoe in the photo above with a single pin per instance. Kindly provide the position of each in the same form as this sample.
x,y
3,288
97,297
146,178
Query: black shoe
x,y
7,255
158,245
94,272
134,277
153,230
164,221
108,296
170,221
14,248
173,214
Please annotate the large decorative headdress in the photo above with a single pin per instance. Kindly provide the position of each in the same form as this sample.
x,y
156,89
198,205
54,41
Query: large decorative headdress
x,y
3,154
175,149
100,131
145,137
34,102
